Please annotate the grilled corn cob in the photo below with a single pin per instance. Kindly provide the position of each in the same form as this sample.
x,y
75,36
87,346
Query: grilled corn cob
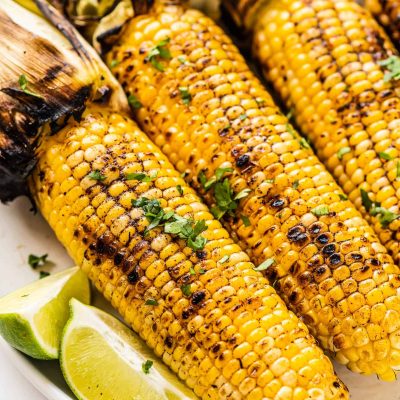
x,y
195,96
157,254
388,14
329,61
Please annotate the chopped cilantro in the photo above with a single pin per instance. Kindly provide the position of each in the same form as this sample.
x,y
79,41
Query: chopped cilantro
x,y
182,59
304,143
97,176
392,65
398,171
43,274
37,261
23,84
295,184
246,220
174,224
343,197
160,51
134,102
243,117
320,210
186,290
185,95
202,271
179,189
141,176
265,265
342,152
114,63
192,271
385,156
385,216
151,302
366,201
146,366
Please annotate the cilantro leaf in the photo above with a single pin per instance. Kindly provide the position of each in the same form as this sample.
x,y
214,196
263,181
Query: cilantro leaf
x,y
134,102
179,189
366,201
342,152
43,274
246,220
97,176
392,65
385,156
296,184
160,51
265,265
342,197
151,302
146,366
186,290
185,95
23,84
37,261
320,210
141,176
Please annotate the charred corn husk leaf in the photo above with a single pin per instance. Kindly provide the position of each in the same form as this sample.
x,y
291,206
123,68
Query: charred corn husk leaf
x,y
42,82
158,255
195,96
388,14
335,67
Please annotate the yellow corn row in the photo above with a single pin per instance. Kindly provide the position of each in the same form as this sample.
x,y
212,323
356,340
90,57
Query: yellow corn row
x,y
208,314
388,14
333,65
195,96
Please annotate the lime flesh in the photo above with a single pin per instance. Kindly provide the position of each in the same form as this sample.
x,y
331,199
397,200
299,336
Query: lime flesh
x,y
102,359
32,318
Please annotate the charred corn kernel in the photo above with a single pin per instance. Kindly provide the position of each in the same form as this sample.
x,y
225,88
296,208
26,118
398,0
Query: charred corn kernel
x,y
388,14
299,222
210,334
325,60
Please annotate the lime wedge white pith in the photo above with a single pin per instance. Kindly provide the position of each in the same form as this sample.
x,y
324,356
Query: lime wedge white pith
x,y
102,359
32,318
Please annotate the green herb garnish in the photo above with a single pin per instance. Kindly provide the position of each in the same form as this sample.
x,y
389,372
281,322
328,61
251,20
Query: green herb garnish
x,y
114,63
146,366
160,51
186,290
243,117
320,210
141,176
392,64
134,102
43,274
151,302
265,265
304,143
37,261
202,271
385,156
179,189
185,95
296,184
192,271
97,176
23,84
342,152
246,220
182,59
343,197
385,216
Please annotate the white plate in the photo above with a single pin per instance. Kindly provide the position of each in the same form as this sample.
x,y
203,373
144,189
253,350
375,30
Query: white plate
x,y
22,233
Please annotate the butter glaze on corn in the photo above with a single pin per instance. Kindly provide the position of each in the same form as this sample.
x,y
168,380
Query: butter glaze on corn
x,y
322,57
233,337
330,269
387,13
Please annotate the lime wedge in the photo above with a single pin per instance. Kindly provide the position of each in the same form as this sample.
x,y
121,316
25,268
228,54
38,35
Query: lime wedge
x,y
102,359
32,318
